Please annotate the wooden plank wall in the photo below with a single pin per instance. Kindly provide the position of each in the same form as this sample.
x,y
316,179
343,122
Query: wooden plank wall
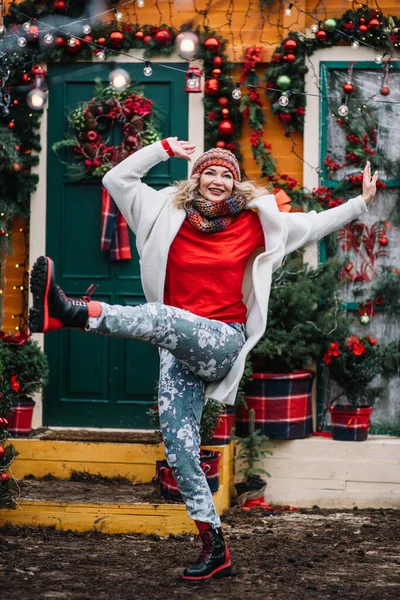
x,y
243,26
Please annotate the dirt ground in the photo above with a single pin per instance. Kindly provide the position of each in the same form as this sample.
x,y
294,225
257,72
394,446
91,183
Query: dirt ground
x,y
306,555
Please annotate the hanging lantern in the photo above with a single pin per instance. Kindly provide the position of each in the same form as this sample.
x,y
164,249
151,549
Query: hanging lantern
x,y
193,79
36,98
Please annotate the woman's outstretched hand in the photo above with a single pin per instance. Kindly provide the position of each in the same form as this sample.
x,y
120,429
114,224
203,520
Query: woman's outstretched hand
x,y
180,148
369,184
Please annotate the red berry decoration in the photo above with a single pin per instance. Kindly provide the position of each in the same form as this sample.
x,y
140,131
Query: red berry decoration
x,y
212,44
216,72
211,87
2,452
11,125
220,144
226,128
383,240
25,78
4,477
374,23
217,62
385,91
290,58
349,266
285,117
163,37
348,88
116,39
223,101
290,46
321,35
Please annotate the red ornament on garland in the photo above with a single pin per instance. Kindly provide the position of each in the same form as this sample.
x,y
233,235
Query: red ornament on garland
x,y
60,41
225,113
385,91
163,37
60,5
88,39
220,144
2,452
212,44
139,35
222,101
348,88
4,477
92,136
116,39
321,35
374,23
285,117
25,78
75,47
11,125
383,240
147,39
216,72
217,62
290,46
363,28
290,58
211,87
226,128
33,34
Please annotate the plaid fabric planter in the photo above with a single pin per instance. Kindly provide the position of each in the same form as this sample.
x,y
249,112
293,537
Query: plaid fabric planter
x,y
209,460
282,404
222,433
21,417
350,424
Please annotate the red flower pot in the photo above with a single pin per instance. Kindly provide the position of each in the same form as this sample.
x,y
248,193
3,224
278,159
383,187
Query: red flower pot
x,y
350,424
221,434
282,403
20,422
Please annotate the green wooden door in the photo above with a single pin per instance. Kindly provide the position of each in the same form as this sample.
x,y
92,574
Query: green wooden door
x,y
97,381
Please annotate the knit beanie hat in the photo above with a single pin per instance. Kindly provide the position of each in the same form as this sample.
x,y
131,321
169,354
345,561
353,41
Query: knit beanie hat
x,y
220,158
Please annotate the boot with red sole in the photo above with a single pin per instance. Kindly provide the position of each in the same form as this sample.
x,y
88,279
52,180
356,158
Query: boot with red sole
x,y
214,561
52,309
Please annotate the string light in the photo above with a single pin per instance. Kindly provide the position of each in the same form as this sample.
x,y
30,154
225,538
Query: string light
x,y
21,41
284,99
314,28
288,10
26,26
147,69
48,38
355,44
118,15
71,42
2,29
237,94
187,43
86,28
119,79
101,55
140,3
343,109
379,58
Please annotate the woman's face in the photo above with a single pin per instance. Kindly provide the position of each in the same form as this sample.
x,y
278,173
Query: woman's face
x,y
216,183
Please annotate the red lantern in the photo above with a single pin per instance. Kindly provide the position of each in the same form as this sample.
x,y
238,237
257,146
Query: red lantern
x,y
139,35
220,144
226,128
290,58
374,23
223,101
383,240
217,62
348,88
321,35
116,39
211,87
385,91
193,79
216,72
290,46
163,37
212,44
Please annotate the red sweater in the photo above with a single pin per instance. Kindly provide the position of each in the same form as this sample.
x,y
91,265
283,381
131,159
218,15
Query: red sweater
x,y
205,271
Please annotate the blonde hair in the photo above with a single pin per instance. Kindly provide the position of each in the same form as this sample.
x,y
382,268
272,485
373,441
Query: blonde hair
x,y
188,191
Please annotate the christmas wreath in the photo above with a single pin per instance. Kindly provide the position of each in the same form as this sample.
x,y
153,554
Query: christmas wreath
x,y
93,122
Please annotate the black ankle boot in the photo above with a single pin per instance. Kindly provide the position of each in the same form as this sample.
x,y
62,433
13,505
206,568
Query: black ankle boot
x,y
214,560
52,309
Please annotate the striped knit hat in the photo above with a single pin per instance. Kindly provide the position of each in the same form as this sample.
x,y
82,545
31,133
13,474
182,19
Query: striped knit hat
x,y
220,158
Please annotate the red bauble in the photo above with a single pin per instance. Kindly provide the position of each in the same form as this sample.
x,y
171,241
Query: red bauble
x,y
91,136
16,167
216,72
2,452
226,128
225,113
217,62
211,87
11,125
374,23
223,101
2,232
147,39
385,91
131,140
15,102
101,41
59,41
139,35
4,477
116,39
321,35
383,240
290,58
290,46
33,34
220,144
88,39
349,267
60,5
163,37
212,44
363,28
75,47
348,88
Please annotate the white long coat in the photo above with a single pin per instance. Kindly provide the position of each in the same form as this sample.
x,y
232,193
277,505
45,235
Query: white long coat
x,y
155,220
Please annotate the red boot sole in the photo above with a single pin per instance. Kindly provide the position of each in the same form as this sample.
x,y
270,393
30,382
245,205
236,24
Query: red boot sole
x,y
224,570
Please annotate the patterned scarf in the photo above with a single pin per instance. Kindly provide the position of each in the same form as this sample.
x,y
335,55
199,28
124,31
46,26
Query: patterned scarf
x,y
210,216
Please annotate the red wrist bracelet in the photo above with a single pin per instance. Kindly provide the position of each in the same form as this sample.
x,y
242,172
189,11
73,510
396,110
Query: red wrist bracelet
x,y
167,147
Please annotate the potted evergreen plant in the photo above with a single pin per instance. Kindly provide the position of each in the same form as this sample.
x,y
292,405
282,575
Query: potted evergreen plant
x,y
353,362
304,315
26,367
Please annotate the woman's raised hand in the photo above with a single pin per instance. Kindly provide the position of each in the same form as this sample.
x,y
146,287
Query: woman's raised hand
x,y
369,184
180,148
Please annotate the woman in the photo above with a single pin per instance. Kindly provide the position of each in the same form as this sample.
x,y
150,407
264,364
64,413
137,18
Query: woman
x,y
208,248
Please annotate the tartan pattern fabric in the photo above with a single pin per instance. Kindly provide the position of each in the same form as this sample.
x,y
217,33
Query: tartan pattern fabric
x,y
282,404
350,424
114,229
222,432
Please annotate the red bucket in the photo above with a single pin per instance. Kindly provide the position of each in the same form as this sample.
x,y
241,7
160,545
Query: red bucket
x,y
221,434
350,424
20,421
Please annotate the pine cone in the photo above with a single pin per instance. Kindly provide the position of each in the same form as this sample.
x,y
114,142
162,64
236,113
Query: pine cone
x,y
90,121
137,123
111,102
90,150
123,154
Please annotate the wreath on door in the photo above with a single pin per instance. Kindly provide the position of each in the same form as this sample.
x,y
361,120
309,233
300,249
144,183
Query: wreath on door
x,y
92,124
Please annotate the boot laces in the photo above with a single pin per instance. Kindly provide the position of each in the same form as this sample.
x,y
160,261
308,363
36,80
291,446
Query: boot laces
x,y
80,301
208,546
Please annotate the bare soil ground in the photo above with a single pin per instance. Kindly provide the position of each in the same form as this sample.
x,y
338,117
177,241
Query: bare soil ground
x,y
306,555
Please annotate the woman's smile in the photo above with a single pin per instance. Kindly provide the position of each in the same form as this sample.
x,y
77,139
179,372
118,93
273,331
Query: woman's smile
x,y
216,183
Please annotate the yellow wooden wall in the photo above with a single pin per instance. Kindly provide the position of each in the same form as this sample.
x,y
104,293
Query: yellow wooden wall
x,y
243,27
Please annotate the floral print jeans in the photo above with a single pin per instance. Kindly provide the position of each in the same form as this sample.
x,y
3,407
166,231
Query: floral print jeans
x,y
193,350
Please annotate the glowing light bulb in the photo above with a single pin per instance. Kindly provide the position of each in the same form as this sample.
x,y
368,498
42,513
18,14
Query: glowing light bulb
x,y
355,44
86,28
36,99
237,94
26,26
21,41
119,79
118,16
140,3
48,38
378,59
72,42
100,55
2,29
147,69
284,100
288,10
343,110
186,44
314,28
